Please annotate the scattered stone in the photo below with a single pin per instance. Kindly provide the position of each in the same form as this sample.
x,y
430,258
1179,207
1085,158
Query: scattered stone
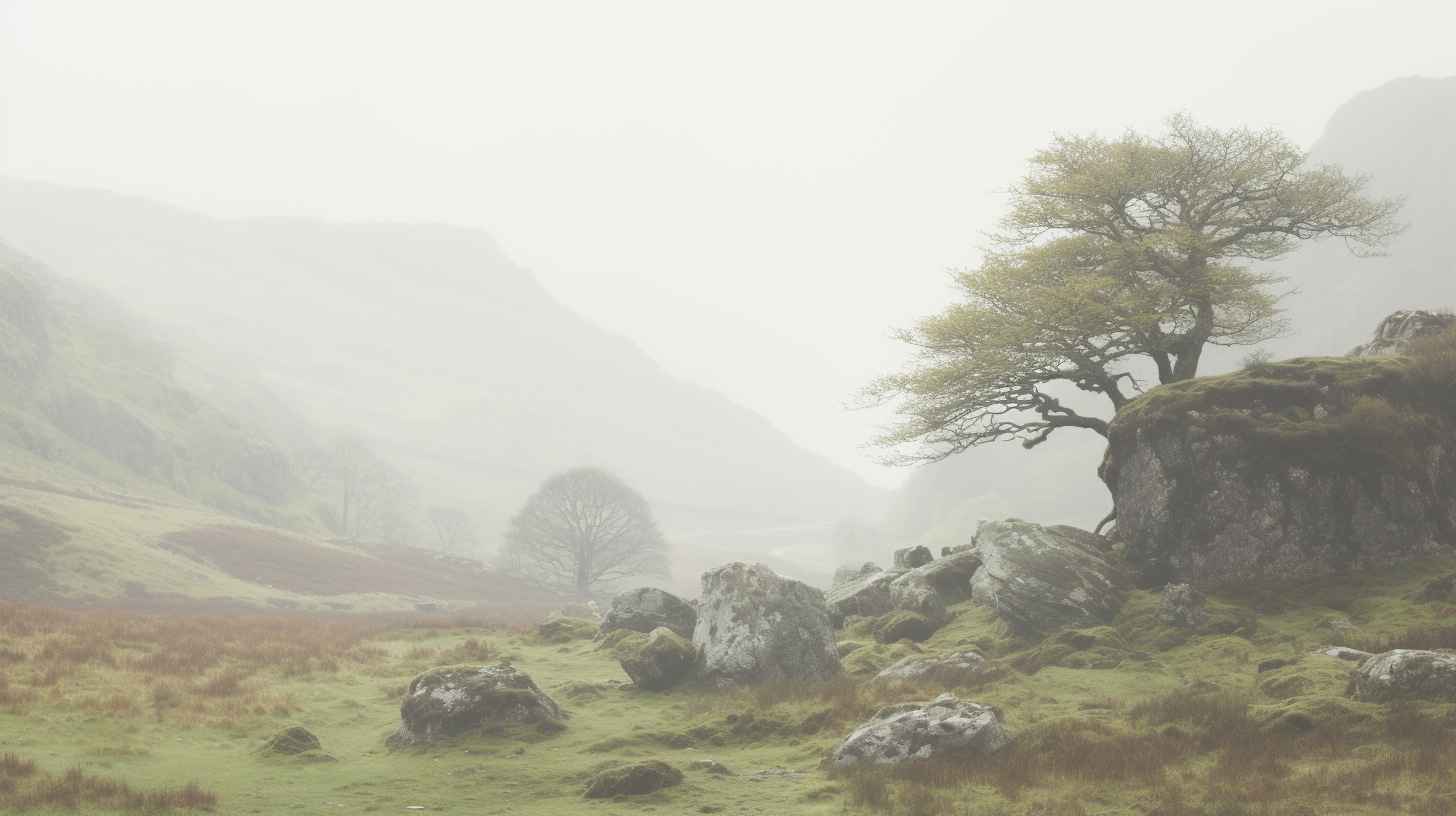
x,y
660,661
586,611
712,766
911,557
1181,606
1340,625
868,596
1343,653
454,699
559,628
850,572
1405,674
634,780
903,624
1040,581
917,667
944,728
947,552
778,772
929,589
296,742
1396,332
755,626
646,608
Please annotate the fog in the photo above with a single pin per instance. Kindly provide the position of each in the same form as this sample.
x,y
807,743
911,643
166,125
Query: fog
x,y
754,194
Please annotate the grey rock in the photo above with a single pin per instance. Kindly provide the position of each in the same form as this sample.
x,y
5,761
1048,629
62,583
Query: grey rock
x,y
850,573
711,766
929,589
1041,582
454,699
1181,606
911,557
646,608
755,626
1396,332
945,728
917,666
946,552
1343,653
660,661
1102,545
868,596
1405,674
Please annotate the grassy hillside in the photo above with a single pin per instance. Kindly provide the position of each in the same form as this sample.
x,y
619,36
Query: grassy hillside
x,y
1136,718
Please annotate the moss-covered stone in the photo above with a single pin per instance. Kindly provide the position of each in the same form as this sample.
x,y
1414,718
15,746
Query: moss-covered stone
x,y
1316,674
634,780
451,700
564,629
658,661
903,624
1097,648
610,640
297,743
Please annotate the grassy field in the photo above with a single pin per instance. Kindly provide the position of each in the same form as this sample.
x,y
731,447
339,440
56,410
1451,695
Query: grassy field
x,y
131,708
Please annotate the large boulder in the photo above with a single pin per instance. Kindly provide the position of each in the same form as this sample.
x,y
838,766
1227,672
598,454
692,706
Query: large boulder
x,y
1284,471
929,589
911,557
945,728
451,700
645,608
868,596
1041,581
755,626
1405,674
656,661
1397,332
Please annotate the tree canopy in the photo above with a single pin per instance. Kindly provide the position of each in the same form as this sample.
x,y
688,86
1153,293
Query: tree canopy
x,y
581,528
1118,258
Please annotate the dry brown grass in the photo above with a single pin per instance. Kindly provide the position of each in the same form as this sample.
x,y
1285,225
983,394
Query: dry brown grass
x,y
23,785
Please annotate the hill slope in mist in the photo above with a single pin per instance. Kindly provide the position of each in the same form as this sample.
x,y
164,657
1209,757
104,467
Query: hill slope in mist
x,y
1403,133
428,340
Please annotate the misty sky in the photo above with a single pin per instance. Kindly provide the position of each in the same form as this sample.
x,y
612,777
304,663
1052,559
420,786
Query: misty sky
x,y
756,193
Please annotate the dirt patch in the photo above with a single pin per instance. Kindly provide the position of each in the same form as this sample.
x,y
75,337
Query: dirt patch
x,y
301,566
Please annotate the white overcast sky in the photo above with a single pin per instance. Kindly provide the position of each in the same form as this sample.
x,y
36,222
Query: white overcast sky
x,y
756,193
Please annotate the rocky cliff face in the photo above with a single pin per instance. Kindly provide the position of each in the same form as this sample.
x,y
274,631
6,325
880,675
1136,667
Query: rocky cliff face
x,y
1286,470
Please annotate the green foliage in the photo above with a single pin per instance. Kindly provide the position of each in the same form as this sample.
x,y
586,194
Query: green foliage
x,y
1116,250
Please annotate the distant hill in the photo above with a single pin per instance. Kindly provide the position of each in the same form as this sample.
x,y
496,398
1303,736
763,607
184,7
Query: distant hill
x,y
427,340
1404,134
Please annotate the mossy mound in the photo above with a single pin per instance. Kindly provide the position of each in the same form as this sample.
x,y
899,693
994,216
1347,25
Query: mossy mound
x,y
903,624
296,743
1100,647
564,629
633,780
658,661
869,661
611,639
1313,675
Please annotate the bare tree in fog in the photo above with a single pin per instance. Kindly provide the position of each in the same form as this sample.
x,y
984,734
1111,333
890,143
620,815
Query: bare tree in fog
x,y
452,528
581,528
388,500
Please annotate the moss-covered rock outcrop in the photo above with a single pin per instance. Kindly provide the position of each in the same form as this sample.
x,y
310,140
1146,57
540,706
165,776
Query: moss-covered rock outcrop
x,y
1287,470
657,661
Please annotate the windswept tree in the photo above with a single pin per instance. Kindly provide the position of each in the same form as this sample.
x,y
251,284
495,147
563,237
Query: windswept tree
x,y
581,528
1119,260
451,526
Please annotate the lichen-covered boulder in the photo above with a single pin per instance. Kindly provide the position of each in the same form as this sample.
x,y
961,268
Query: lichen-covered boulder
x,y
646,608
1405,674
656,661
930,588
868,596
916,667
633,780
1041,582
451,700
911,557
1284,471
849,572
945,728
1399,330
1182,606
755,626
